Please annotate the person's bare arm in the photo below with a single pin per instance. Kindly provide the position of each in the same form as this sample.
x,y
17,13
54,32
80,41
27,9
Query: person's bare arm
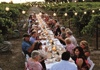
x,y
59,37
31,48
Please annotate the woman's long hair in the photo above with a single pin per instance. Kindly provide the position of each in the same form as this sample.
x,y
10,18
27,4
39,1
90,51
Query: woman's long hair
x,y
81,52
37,45
82,56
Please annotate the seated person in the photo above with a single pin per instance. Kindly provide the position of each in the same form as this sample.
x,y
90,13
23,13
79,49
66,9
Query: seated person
x,y
69,35
63,35
64,64
33,37
84,45
43,55
57,30
80,59
27,46
33,62
69,46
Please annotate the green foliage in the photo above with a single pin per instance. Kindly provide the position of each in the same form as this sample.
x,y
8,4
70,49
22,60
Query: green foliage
x,y
9,19
6,22
84,22
90,28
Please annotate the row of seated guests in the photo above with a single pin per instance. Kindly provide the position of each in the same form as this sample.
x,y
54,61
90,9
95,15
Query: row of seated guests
x,y
79,53
32,23
28,47
79,56
28,41
43,55
69,40
66,33
64,64
31,20
30,44
66,37
60,32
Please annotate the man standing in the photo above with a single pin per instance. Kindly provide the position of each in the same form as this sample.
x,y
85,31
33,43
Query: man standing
x,y
64,64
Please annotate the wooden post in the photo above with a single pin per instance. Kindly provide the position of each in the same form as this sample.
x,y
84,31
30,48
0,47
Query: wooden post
x,y
97,36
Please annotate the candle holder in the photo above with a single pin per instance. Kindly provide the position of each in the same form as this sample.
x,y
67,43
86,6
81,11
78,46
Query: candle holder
x,y
51,41
54,48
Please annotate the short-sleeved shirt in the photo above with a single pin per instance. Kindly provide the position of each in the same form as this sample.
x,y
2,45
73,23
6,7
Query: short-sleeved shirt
x,y
32,40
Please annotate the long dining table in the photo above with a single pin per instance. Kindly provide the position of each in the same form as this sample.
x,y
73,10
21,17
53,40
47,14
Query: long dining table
x,y
55,48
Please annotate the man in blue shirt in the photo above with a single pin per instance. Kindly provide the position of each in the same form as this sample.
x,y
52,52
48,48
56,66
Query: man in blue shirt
x,y
64,64
27,45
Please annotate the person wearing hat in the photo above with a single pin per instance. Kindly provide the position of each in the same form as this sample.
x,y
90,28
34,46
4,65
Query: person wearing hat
x,y
27,46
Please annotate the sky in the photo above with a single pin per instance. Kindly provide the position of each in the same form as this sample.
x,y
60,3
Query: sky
x,y
20,1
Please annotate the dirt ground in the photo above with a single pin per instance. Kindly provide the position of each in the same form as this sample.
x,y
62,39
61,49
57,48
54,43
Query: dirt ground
x,y
14,60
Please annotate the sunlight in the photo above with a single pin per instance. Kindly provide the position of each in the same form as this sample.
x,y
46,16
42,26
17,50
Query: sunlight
x,y
21,1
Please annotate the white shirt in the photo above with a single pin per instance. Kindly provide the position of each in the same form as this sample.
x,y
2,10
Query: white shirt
x,y
64,65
